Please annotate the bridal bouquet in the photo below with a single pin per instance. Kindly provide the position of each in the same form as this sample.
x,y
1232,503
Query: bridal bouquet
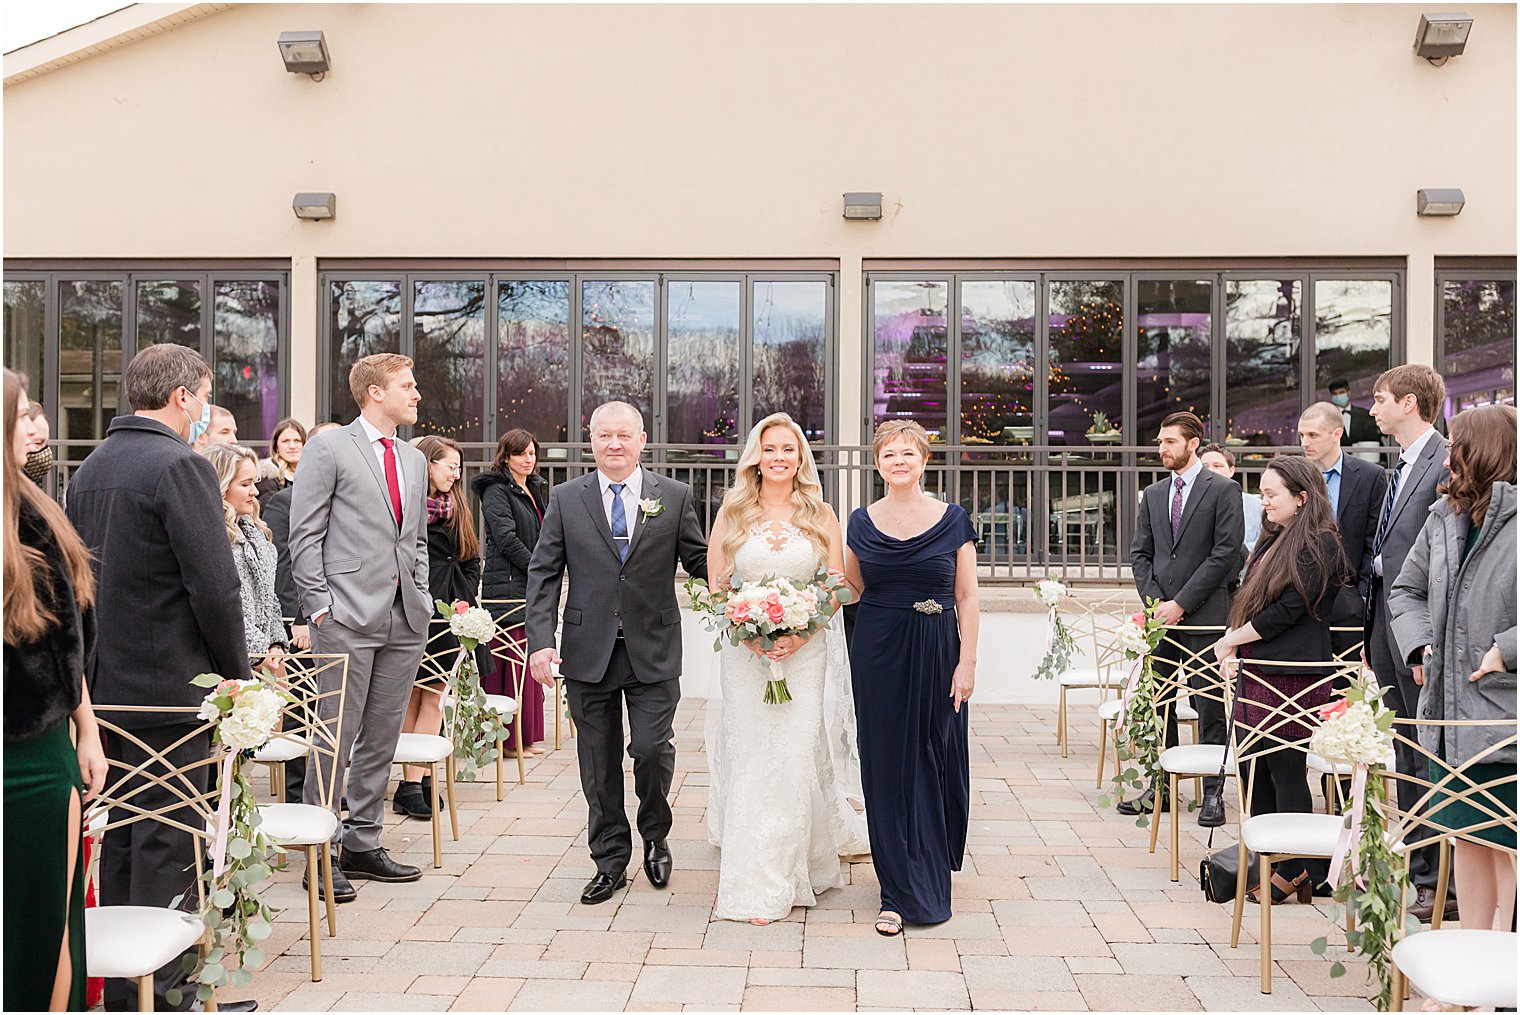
x,y
765,611
1060,646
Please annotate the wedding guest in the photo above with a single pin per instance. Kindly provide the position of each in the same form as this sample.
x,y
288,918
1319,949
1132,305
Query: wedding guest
x,y
1357,426
252,551
278,471
1453,614
222,429
453,575
1221,460
49,630
512,500
166,607
39,456
912,559
1282,613
1405,403
1186,553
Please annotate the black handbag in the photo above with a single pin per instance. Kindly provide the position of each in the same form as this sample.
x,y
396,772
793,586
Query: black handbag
x,y
1218,870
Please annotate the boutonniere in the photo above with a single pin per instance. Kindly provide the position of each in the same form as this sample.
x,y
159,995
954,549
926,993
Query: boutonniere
x,y
651,507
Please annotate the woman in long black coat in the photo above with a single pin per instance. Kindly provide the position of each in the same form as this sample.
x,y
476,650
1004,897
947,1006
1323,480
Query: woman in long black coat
x,y
512,500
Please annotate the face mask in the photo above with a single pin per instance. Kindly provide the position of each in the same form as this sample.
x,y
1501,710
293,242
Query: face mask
x,y
1342,400
38,463
200,426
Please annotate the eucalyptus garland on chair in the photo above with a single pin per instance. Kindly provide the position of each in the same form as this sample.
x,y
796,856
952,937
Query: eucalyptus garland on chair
x,y
1060,646
478,728
1138,731
1368,875
247,715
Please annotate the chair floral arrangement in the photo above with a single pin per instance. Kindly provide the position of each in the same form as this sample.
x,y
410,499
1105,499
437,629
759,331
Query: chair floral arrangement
x,y
479,729
1060,646
1140,729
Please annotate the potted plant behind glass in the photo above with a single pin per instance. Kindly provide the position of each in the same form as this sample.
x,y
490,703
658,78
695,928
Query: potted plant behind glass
x,y
1102,430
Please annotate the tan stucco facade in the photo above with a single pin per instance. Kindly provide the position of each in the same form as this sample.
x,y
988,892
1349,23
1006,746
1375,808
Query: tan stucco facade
x,y
731,131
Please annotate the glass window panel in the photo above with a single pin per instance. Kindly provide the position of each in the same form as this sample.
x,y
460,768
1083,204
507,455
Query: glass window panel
x,y
449,334
789,348
1086,362
1174,332
1478,323
534,362
702,332
1353,335
617,347
997,362
89,359
24,306
1263,328
533,369
366,319
910,350
245,325
169,312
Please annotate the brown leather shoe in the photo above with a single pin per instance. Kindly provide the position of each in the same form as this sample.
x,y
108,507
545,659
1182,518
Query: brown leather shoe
x,y
1424,906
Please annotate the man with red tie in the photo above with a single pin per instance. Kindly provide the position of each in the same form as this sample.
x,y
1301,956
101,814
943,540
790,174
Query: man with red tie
x,y
358,555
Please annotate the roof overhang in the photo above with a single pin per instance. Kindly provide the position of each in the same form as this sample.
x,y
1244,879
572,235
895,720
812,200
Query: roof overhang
x,y
107,32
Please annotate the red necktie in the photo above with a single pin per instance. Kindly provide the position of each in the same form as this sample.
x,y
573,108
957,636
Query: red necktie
x,y
392,483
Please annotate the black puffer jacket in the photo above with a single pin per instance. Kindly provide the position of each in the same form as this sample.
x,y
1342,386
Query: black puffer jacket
x,y
512,521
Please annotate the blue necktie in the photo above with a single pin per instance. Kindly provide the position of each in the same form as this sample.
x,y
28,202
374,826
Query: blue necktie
x,y
619,521
1333,488
1393,495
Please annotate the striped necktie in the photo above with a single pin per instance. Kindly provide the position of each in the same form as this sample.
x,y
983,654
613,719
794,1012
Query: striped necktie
x,y
619,520
1393,496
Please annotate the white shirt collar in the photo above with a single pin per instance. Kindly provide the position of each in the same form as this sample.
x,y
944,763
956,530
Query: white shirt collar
x,y
634,484
370,432
1410,454
1190,474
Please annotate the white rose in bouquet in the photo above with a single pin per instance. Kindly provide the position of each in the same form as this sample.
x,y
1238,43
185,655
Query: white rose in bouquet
x,y
473,623
1132,639
1049,592
1353,733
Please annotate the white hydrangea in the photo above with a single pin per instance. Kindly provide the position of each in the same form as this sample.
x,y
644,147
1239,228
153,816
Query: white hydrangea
x,y
251,722
1352,737
1049,592
1132,639
474,623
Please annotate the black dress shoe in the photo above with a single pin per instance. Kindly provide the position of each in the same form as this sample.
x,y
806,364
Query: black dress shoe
x,y
377,865
343,889
226,1006
657,863
410,801
1211,814
601,887
1145,803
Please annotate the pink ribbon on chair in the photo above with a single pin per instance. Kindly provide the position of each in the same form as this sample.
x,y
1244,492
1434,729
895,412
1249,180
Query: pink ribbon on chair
x,y
223,818
1050,631
1351,834
1130,683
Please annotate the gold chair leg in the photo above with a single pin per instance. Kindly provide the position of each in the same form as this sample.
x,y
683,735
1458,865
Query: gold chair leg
x,y
145,993
313,868
1102,750
274,787
1061,733
453,811
437,828
1443,882
1400,989
501,765
559,712
522,771
327,886
1242,860
1172,811
1264,894
1155,818
1350,926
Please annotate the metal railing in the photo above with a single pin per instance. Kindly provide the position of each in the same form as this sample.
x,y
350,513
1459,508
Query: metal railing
x,y
1036,508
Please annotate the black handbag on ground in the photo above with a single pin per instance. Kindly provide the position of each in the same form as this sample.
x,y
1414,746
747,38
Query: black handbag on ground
x,y
1217,872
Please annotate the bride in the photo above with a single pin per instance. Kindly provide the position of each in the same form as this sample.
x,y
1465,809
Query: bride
x,y
779,802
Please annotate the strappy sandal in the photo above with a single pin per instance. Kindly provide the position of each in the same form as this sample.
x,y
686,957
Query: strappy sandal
x,y
1283,889
893,924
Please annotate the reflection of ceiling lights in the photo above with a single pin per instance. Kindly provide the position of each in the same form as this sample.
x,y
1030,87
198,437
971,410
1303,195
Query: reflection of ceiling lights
x,y
1439,201
1442,36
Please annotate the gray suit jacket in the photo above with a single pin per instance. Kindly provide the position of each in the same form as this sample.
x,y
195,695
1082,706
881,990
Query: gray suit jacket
x,y
1196,568
346,551
1417,491
639,594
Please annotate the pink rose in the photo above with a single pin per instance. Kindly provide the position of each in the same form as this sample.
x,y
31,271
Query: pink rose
x,y
773,599
775,611
460,606
738,611
229,688
1334,710
1138,619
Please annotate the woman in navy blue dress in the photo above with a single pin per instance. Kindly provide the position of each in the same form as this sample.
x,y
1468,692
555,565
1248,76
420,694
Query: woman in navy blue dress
x,y
912,559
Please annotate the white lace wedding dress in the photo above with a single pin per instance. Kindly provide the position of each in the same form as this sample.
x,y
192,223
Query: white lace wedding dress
x,y
775,806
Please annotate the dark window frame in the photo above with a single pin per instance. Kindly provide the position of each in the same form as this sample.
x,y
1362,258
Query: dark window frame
x,y
1444,275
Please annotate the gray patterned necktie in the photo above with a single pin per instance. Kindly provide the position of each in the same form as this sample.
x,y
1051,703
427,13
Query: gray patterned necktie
x,y
619,520
1177,506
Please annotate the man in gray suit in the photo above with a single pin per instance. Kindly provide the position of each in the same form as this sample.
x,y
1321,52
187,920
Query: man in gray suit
x,y
358,554
1406,402
625,528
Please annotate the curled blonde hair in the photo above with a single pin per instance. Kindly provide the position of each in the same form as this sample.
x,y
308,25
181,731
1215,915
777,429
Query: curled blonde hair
x,y
226,459
741,505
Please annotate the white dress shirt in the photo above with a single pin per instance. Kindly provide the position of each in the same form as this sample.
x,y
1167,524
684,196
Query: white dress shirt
x,y
1189,480
374,442
633,489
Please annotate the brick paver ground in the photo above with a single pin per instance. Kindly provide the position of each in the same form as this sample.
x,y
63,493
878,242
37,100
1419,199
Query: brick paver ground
x,y
1060,907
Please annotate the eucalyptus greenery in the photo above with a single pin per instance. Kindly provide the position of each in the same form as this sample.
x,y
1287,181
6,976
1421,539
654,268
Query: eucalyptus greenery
x,y
478,728
1139,732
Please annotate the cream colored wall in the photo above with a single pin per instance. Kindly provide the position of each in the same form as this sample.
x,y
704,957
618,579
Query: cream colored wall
x,y
731,131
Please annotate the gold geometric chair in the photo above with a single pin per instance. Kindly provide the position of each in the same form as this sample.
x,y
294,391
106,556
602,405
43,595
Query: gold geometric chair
x,y
1466,967
319,683
1109,710
508,650
1330,774
1098,622
133,942
1283,835
427,750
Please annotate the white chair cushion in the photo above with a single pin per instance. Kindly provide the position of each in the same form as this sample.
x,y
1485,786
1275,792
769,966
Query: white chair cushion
x,y
1467,967
1339,768
1185,712
1084,677
1196,759
133,941
96,820
297,824
1109,710
286,747
1301,834
502,704
422,749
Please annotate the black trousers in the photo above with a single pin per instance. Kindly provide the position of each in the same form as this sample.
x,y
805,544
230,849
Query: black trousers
x,y
148,863
1404,698
1211,728
598,713
1280,785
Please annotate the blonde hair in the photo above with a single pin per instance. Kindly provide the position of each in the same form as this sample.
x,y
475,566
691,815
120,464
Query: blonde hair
x,y
893,429
741,505
376,370
226,459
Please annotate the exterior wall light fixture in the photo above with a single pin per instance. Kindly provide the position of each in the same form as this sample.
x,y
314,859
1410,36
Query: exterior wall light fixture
x,y
1442,36
305,53
315,207
861,205
1439,201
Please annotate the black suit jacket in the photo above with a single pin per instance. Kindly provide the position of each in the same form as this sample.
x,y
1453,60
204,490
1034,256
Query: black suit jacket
x,y
638,593
1363,486
276,514
1363,427
1197,569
